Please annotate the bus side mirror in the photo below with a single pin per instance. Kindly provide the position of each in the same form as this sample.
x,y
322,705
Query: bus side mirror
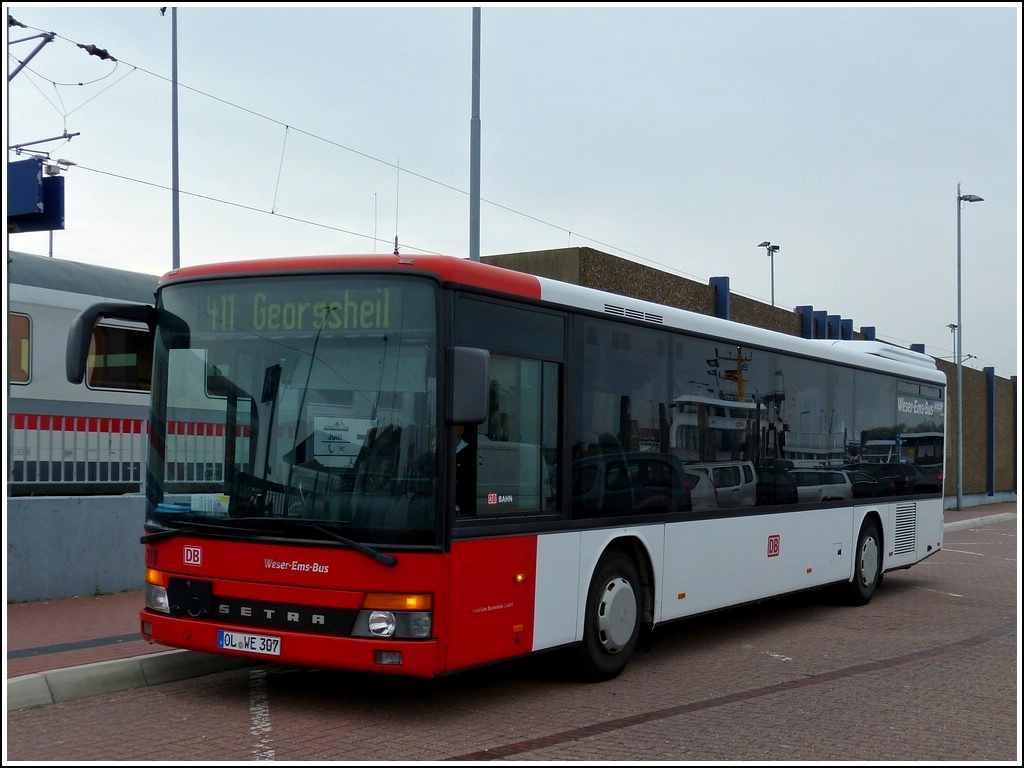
x,y
469,390
76,354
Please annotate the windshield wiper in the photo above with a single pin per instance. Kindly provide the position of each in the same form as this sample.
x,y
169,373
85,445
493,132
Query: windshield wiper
x,y
371,552
185,530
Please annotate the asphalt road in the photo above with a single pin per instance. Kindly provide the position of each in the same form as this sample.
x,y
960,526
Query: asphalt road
x,y
928,671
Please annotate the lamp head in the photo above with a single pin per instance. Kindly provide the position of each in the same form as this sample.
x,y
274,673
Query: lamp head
x,y
765,244
972,199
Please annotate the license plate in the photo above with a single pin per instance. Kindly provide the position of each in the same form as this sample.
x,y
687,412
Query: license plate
x,y
242,641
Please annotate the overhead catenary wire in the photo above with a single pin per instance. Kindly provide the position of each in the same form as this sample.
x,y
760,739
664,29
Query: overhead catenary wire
x,y
396,166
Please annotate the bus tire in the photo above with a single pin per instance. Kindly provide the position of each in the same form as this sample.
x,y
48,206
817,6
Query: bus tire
x,y
867,566
612,624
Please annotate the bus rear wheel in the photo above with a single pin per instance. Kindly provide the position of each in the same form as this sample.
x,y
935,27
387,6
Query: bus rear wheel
x,y
867,566
612,624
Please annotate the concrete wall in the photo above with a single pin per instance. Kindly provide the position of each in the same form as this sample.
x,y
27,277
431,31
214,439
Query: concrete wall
x,y
66,546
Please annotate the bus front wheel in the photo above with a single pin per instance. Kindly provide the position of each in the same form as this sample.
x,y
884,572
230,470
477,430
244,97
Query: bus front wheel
x,y
612,624
867,567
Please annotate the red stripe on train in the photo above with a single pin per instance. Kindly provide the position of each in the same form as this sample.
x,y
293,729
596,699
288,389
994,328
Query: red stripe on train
x,y
107,425
203,429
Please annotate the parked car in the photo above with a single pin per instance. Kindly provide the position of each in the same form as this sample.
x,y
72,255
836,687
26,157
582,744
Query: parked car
x,y
637,482
703,494
889,472
923,478
734,481
601,486
659,483
775,485
867,487
908,478
822,484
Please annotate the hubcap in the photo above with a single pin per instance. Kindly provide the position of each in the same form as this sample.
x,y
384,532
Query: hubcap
x,y
868,561
616,614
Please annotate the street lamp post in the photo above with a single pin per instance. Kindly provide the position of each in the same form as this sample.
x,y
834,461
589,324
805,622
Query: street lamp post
x,y
771,250
959,328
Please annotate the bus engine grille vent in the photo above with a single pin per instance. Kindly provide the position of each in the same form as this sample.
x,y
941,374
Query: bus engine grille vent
x,y
906,528
633,314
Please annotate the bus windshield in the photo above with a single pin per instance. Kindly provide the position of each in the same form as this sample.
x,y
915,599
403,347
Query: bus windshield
x,y
296,407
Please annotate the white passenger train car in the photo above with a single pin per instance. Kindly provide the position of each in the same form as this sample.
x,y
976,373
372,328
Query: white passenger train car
x,y
64,438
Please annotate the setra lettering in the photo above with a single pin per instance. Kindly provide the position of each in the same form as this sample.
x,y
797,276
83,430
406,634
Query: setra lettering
x,y
272,616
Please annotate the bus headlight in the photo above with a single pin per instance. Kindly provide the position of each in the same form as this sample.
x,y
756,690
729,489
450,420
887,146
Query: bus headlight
x,y
395,625
420,625
398,616
381,623
156,599
156,591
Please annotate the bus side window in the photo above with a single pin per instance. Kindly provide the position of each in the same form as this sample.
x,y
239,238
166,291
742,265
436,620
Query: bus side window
x,y
517,445
512,474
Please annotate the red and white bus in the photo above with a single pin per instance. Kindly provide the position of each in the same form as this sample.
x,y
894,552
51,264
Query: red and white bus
x,y
302,499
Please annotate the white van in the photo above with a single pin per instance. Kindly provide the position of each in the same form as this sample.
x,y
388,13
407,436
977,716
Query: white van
x,y
703,495
734,481
821,484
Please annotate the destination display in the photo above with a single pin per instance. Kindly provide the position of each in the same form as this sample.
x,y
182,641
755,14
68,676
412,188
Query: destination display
x,y
265,311
300,305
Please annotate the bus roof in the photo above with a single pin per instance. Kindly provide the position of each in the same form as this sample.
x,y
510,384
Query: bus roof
x,y
452,270
449,269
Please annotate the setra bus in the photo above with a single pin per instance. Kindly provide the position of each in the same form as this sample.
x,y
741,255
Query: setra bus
x,y
302,499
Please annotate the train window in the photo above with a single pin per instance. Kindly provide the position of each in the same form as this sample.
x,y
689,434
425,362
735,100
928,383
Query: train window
x,y
120,358
19,341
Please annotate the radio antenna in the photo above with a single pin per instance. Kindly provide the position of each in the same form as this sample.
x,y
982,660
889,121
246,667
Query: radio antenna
x,y
398,178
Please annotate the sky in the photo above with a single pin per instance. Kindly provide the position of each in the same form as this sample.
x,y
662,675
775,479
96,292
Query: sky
x,y
679,136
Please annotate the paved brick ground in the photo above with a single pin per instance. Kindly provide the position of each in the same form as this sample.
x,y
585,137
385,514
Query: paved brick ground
x,y
924,673
53,634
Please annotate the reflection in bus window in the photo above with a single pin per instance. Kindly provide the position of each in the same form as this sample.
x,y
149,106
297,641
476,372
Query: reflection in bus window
x,y
618,400
120,358
512,471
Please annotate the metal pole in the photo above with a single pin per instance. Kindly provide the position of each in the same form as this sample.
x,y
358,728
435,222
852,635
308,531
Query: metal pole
x,y
770,250
959,367
175,237
474,147
960,199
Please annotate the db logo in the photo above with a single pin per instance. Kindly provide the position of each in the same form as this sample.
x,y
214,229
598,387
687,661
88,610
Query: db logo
x,y
193,556
773,545
492,498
